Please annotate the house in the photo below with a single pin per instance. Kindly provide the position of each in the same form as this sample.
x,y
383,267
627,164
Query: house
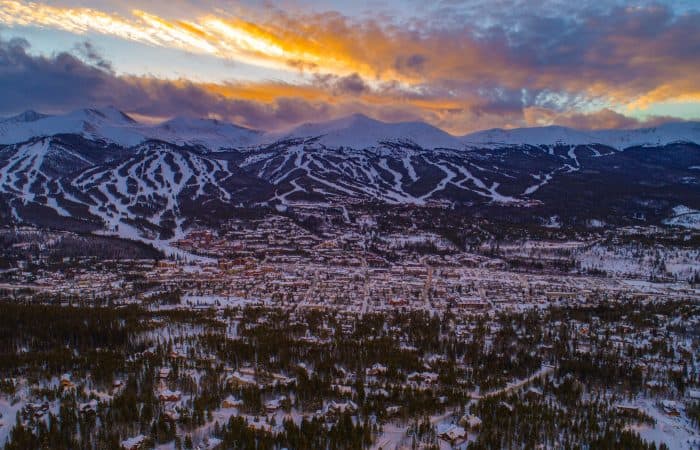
x,y
209,443
342,389
533,393
451,433
693,394
247,371
627,409
260,426
376,369
505,405
381,392
398,301
470,422
89,407
169,396
426,377
35,410
392,410
274,404
341,407
283,380
171,415
671,408
238,379
231,402
177,354
66,382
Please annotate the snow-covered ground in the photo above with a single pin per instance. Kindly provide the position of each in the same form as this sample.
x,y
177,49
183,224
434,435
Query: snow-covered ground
x,y
640,262
684,217
676,432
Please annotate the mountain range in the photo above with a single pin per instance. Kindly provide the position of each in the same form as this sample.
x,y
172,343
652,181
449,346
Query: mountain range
x,y
99,170
355,131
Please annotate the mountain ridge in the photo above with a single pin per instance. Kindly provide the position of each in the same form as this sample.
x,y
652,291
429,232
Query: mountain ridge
x,y
354,131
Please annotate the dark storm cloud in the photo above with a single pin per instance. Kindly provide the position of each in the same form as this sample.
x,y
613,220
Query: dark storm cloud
x,y
63,81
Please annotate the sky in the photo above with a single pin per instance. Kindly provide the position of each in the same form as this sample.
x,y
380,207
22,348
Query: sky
x,y
461,65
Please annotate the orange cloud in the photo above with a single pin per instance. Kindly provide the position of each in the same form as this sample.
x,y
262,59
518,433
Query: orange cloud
x,y
615,59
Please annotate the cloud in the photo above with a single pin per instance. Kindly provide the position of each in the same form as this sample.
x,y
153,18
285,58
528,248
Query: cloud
x,y
88,51
65,81
347,85
602,119
47,83
606,50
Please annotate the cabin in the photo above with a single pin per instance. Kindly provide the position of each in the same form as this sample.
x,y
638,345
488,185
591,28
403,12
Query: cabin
x,y
470,422
169,396
451,433
231,402
273,405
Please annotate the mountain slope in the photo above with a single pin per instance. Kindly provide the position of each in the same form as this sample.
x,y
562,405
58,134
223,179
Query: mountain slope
x,y
147,192
617,139
107,124
160,185
393,173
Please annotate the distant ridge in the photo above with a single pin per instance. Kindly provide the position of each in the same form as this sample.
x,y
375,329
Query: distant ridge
x,y
619,139
355,131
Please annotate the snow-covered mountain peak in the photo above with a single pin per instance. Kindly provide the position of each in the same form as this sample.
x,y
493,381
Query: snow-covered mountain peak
x,y
107,114
93,116
211,133
356,131
182,123
108,124
359,131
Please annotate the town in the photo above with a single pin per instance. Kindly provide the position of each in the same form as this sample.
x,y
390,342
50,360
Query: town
x,y
280,332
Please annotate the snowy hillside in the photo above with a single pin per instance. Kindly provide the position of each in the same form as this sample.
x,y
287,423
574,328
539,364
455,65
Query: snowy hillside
x,y
618,139
147,192
154,189
391,173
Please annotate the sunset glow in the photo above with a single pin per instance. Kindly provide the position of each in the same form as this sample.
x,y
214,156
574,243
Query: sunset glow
x,y
595,67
